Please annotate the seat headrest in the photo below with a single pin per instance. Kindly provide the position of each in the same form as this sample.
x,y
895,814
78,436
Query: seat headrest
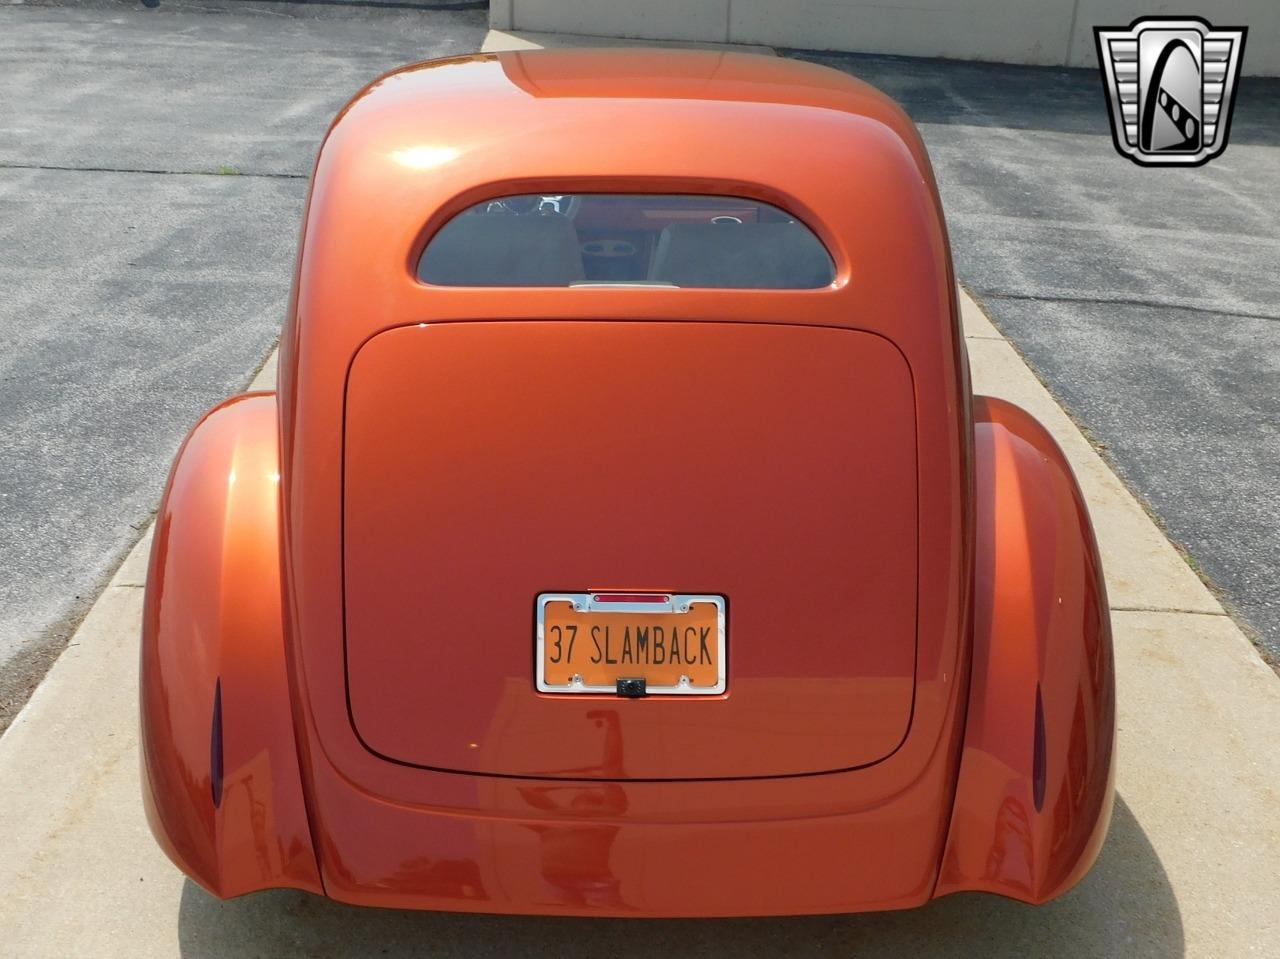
x,y
778,256
501,249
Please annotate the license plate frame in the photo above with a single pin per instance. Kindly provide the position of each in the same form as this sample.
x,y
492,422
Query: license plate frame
x,y
605,604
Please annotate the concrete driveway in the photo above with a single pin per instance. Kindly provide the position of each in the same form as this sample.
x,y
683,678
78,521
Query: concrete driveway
x,y
153,167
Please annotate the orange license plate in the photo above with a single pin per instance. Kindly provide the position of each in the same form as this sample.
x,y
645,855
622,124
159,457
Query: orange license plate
x,y
630,644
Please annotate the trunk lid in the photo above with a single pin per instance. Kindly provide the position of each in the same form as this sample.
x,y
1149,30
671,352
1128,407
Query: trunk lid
x,y
486,463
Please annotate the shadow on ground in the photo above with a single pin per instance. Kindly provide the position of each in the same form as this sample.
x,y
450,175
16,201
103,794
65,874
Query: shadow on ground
x,y
1125,905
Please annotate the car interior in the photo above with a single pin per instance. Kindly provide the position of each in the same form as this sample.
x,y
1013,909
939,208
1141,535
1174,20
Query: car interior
x,y
626,239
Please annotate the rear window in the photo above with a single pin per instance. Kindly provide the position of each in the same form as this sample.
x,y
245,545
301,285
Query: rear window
x,y
628,239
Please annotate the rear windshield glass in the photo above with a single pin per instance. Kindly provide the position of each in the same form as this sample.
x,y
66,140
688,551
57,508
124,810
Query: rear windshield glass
x,y
633,239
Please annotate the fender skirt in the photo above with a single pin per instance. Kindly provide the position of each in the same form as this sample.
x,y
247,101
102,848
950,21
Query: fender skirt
x,y
220,769
1033,797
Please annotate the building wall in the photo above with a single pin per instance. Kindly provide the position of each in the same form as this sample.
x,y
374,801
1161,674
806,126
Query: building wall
x,y
1049,32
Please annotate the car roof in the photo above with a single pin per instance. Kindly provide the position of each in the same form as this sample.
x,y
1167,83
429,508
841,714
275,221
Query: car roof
x,y
420,145
475,103
642,73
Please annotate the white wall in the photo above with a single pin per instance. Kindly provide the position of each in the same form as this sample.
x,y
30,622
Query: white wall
x,y
1052,32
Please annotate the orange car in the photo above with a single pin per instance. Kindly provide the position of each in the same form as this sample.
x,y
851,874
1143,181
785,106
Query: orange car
x,y
624,537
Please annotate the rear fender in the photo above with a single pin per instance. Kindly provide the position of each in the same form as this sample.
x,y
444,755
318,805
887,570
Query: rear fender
x,y
220,768
1033,798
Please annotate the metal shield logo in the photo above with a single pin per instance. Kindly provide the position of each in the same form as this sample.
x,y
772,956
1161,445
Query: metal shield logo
x,y
1171,83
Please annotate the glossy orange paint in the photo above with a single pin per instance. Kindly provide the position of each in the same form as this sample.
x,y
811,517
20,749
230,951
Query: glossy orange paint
x,y
605,828
1030,816
638,451
211,624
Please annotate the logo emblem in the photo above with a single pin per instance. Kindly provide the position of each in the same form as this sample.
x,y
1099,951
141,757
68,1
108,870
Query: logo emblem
x,y
1171,83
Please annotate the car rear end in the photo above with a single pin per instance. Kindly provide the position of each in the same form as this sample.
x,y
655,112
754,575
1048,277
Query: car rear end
x,y
625,493
623,538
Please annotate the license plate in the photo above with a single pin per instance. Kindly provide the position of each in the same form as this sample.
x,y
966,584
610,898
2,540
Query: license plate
x,y
630,644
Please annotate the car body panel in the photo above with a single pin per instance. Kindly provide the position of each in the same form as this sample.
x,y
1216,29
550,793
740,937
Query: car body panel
x,y
1036,775
487,843
613,455
222,785
582,833
671,115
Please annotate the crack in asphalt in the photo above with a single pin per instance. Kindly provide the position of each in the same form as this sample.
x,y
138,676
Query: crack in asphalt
x,y
424,5
151,172
1124,301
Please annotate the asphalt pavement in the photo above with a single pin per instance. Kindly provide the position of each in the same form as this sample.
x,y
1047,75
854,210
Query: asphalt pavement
x,y
153,167
1147,299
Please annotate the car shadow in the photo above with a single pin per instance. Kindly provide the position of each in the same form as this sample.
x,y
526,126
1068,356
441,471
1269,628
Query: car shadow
x,y
1125,905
